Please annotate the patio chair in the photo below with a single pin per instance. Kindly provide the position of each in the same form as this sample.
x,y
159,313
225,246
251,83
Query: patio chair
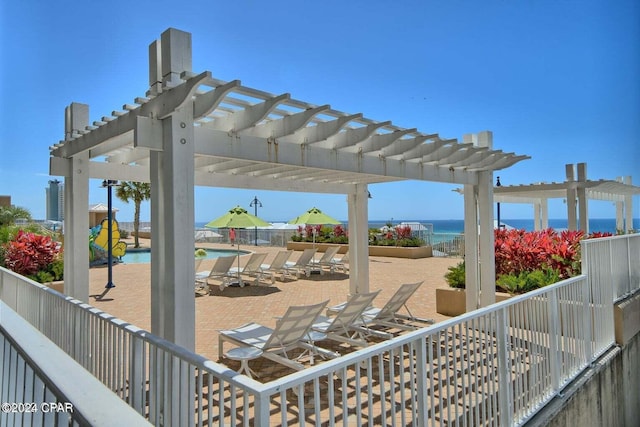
x,y
252,268
303,264
275,343
200,288
277,266
341,326
326,259
341,264
387,316
219,271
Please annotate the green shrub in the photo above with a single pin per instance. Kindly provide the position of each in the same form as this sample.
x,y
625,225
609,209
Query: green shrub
x,y
526,281
201,253
455,276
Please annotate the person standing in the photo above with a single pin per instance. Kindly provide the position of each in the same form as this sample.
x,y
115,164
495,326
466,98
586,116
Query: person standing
x,y
232,236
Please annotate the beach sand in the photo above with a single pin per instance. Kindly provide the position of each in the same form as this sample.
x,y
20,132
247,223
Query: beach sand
x,y
130,299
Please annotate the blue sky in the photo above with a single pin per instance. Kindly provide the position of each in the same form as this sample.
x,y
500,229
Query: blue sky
x,y
556,80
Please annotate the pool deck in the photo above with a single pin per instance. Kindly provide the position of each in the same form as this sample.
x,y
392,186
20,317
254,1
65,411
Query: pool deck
x,y
130,299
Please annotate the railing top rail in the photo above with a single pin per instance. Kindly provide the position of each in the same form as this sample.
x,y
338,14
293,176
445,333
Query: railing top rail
x,y
601,239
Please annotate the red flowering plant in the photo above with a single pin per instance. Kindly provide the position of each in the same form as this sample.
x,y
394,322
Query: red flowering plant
x,y
33,255
526,260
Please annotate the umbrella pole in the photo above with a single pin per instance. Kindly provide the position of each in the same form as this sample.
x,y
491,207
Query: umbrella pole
x,y
239,283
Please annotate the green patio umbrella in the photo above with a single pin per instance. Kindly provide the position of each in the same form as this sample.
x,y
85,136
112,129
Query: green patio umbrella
x,y
314,216
237,218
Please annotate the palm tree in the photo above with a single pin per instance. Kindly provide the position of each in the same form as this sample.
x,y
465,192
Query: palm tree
x,y
138,192
9,214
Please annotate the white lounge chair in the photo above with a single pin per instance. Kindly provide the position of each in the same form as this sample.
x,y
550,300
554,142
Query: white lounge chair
x,y
277,266
343,326
388,316
200,288
219,271
341,264
251,268
326,259
274,343
303,264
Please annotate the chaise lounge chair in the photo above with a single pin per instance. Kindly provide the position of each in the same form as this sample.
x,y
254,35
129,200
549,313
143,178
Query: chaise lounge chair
x,y
288,334
277,266
341,264
326,259
219,271
387,316
341,326
200,288
252,268
303,264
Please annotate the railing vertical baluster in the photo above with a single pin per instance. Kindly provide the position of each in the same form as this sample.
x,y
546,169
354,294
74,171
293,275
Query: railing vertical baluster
x,y
136,382
421,381
262,410
588,312
505,392
554,356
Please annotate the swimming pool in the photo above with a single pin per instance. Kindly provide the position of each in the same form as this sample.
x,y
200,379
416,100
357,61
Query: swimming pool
x,y
143,256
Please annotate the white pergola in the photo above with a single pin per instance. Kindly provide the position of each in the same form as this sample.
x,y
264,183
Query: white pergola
x,y
577,190
192,129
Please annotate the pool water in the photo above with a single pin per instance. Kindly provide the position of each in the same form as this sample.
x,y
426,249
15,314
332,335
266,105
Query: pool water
x,y
143,256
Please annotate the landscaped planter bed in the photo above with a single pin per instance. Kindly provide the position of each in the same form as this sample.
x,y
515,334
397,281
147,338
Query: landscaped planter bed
x,y
383,251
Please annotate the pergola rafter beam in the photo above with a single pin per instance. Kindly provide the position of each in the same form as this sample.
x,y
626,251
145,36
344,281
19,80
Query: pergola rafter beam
x,y
286,125
351,136
403,145
249,116
321,131
378,141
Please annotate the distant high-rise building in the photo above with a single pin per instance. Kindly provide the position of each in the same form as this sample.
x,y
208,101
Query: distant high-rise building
x,y
55,200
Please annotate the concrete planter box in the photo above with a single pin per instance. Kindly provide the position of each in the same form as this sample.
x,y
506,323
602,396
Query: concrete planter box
x,y
453,301
384,251
56,286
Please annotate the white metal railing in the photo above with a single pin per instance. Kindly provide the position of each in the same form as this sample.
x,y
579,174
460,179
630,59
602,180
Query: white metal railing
x,y
613,262
160,380
446,244
41,385
494,366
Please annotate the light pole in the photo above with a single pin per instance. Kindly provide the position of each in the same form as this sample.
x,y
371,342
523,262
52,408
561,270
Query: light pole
x,y
255,203
108,183
498,185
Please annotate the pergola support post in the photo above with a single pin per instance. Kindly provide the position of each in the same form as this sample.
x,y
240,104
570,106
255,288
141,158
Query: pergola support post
x,y
172,173
478,229
358,211
76,216
583,202
172,225
628,206
572,220
486,240
471,231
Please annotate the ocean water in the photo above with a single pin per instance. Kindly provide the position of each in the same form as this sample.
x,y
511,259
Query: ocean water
x,y
457,225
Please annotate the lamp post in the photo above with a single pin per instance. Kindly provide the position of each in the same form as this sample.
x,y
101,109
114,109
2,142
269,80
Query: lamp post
x,y
498,185
108,183
255,203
